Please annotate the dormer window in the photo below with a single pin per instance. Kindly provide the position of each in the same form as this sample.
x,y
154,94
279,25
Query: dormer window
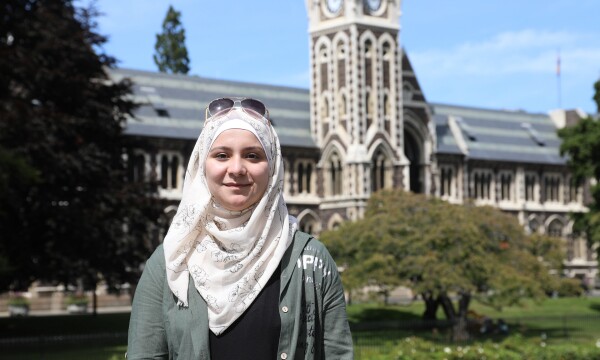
x,y
533,134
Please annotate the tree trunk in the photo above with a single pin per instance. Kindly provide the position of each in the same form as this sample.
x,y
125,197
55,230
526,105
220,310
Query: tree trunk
x,y
431,306
458,319
447,306
460,330
430,313
94,303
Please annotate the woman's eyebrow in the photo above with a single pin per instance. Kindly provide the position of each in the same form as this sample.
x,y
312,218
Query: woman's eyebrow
x,y
227,148
254,148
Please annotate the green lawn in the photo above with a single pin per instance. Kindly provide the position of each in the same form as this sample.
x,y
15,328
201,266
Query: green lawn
x,y
550,307
557,323
75,353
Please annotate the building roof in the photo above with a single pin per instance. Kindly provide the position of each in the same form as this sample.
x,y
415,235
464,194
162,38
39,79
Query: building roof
x,y
172,105
497,135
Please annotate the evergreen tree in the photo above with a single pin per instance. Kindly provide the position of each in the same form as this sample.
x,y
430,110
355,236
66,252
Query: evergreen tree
x,y
67,214
171,53
581,142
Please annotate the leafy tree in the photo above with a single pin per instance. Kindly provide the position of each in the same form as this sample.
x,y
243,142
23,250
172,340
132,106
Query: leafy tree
x,y
15,177
443,251
581,142
171,53
69,217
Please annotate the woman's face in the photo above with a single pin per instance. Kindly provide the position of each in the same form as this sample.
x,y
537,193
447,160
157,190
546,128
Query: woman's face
x,y
237,170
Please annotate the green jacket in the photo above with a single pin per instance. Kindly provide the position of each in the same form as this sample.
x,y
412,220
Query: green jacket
x,y
314,324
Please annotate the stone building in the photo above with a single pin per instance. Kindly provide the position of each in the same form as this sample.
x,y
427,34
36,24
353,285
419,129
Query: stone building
x,y
365,125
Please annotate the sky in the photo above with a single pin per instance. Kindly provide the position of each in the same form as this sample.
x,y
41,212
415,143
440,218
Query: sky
x,y
496,54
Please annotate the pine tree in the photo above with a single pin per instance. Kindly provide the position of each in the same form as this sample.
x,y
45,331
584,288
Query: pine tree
x,y
72,217
171,53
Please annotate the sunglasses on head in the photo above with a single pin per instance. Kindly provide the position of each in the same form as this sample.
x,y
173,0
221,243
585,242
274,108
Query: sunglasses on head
x,y
250,106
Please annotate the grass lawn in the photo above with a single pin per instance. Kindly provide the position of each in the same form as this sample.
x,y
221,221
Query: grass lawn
x,y
71,324
75,353
555,322
550,307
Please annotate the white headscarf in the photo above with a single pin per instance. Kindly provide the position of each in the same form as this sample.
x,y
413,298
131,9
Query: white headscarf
x,y
230,255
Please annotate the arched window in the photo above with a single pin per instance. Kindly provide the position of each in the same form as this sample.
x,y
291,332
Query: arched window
x,y
341,50
379,171
530,185
552,188
324,114
387,51
342,107
303,176
335,174
387,113
323,60
323,54
169,171
164,172
324,107
387,106
506,184
175,172
309,224
533,225
369,107
300,177
342,112
308,177
555,228
413,153
482,185
139,168
368,49
446,182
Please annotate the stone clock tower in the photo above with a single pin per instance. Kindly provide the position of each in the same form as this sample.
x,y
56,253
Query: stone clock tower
x,y
356,102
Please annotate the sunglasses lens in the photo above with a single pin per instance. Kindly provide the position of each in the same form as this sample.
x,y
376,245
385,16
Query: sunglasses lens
x,y
255,106
219,105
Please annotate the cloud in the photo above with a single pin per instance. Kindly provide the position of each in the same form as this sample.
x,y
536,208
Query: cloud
x,y
513,70
510,53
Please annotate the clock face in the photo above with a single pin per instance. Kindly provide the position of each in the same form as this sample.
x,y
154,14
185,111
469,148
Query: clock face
x,y
334,6
373,5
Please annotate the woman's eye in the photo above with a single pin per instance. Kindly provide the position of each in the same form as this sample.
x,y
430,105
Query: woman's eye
x,y
221,156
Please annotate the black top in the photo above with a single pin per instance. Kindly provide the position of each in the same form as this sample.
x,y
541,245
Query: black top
x,y
255,334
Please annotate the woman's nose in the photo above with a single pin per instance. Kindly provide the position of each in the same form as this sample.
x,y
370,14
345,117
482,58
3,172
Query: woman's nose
x,y
236,167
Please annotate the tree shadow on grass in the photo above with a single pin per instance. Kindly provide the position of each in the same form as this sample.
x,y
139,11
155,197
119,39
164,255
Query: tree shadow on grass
x,y
383,314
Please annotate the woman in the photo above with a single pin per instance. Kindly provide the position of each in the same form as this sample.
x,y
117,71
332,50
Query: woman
x,y
234,278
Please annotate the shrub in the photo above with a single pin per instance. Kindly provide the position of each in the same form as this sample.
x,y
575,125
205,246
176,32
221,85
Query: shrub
x,y
569,287
514,347
77,299
18,301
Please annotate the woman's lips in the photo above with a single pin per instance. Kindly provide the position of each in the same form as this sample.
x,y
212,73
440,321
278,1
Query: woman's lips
x,y
236,185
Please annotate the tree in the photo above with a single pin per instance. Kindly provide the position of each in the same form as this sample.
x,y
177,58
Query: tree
x,y
442,251
581,142
171,53
71,217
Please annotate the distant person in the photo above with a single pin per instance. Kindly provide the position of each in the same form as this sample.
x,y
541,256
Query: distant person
x,y
234,278
502,327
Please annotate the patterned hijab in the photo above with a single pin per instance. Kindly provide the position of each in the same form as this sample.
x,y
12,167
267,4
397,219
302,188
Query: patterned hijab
x,y
230,255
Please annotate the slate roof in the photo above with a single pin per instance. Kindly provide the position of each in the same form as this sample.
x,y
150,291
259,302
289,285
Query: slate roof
x,y
173,105
497,135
